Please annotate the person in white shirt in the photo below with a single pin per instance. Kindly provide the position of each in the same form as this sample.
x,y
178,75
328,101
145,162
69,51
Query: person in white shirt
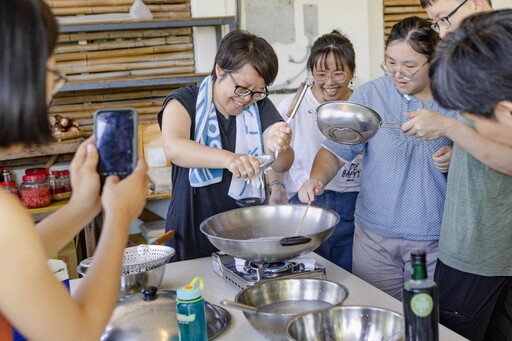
x,y
332,65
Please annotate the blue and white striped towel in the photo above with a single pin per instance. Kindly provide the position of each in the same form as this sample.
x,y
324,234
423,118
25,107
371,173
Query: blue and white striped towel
x,y
248,141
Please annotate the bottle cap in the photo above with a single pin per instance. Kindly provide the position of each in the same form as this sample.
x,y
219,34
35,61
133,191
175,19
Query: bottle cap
x,y
36,171
7,183
191,291
418,257
64,172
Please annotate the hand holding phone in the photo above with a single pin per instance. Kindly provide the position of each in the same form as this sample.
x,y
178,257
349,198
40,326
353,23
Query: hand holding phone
x,y
115,135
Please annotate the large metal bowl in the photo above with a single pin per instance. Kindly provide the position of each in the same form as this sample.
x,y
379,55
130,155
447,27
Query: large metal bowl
x,y
279,300
256,233
347,323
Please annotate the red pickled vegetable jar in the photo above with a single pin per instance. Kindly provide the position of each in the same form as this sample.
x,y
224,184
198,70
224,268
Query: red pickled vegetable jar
x,y
35,191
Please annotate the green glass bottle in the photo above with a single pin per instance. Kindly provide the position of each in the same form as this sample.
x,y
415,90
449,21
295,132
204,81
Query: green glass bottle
x,y
421,309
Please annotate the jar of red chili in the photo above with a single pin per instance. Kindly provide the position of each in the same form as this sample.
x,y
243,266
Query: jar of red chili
x,y
10,186
35,191
65,181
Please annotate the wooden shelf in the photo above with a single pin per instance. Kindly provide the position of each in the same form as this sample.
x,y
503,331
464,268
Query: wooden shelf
x,y
53,148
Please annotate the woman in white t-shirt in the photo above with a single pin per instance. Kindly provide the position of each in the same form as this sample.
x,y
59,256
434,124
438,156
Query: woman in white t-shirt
x,y
332,65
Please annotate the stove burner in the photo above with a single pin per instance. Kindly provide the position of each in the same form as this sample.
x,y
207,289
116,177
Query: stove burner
x,y
246,273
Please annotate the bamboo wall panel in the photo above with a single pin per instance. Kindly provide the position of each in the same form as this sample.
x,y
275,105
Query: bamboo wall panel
x,y
81,105
396,10
161,9
107,56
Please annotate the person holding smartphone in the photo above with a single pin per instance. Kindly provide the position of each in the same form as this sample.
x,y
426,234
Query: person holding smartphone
x,y
214,135
32,301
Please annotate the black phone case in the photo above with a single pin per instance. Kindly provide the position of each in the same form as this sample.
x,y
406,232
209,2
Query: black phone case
x,y
115,136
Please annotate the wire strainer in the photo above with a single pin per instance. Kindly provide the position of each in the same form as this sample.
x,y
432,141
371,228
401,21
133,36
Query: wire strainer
x,y
140,258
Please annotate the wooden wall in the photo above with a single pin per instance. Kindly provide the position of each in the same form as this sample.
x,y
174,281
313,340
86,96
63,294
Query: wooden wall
x,y
396,10
161,9
110,56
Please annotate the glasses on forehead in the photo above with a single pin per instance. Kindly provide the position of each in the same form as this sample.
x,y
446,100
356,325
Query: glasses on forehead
x,y
323,77
59,79
444,22
405,74
244,92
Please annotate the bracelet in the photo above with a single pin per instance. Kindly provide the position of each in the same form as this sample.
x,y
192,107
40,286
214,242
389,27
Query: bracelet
x,y
277,182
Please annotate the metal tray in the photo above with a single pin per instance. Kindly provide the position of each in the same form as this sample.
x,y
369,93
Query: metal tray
x,y
134,319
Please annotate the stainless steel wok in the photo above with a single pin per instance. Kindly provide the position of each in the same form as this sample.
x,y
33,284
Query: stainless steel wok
x,y
266,233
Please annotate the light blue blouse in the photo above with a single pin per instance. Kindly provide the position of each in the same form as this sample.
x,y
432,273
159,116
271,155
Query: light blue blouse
x,y
402,193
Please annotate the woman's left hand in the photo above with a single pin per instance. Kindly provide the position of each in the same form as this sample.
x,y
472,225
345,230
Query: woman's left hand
x,y
279,137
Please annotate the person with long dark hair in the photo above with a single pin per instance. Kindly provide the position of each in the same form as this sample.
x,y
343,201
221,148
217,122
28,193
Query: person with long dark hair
x,y
33,302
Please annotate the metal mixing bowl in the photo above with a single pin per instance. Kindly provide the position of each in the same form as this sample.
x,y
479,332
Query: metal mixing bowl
x,y
347,323
143,266
279,300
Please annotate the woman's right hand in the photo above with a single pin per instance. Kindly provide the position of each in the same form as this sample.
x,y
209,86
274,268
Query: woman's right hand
x,y
309,189
244,166
126,198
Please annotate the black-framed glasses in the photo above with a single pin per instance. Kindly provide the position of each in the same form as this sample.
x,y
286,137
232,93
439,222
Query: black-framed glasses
x,y
244,92
59,79
405,74
323,77
444,22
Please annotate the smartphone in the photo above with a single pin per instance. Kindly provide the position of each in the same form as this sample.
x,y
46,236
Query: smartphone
x,y
115,136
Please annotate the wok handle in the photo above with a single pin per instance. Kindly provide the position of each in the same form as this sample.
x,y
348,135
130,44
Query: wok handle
x,y
295,240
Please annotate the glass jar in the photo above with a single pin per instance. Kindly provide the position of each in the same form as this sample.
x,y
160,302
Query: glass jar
x,y
10,186
35,191
65,181
55,183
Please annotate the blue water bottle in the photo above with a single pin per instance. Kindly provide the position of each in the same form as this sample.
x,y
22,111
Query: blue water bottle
x,y
190,312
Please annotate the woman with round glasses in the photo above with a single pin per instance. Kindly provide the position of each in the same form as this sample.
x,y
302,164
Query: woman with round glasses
x,y
33,302
401,199
214,135
332,64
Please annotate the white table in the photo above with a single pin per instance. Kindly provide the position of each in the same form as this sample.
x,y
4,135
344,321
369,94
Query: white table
x,y
216,289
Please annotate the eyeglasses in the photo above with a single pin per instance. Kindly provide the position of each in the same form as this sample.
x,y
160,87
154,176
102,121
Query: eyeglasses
x,y
323,77
444,22
405,74
59,79
244,92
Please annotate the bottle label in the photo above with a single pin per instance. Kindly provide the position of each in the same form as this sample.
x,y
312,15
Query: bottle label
x,y
186,318
422,304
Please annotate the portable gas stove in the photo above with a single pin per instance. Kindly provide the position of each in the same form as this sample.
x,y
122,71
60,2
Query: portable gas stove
x,y
244,273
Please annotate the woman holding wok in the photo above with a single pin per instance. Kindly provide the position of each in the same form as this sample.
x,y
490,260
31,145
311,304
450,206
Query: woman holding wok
x,y
215,136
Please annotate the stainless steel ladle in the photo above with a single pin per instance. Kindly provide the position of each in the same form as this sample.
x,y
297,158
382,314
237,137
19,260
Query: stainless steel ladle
x,y
267,160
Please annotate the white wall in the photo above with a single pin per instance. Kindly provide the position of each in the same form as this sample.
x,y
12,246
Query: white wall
x,y
360,20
